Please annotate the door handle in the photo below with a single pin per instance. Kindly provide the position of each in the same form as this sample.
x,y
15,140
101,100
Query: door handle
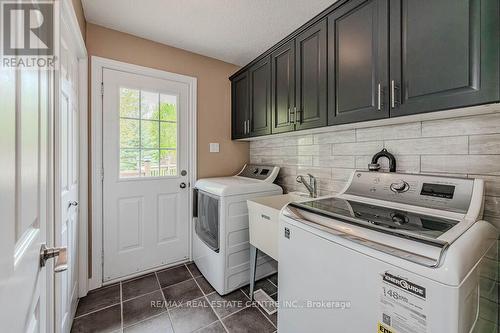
x,y
379,97
47,253
182,185
394,87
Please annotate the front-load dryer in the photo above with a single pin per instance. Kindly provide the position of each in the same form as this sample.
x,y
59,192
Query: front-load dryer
x,y
220,238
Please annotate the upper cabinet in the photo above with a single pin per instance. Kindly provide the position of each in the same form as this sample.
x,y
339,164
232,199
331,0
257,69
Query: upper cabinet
x,y
310,82
357,64
444,54
371,59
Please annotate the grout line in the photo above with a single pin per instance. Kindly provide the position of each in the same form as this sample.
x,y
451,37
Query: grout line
x,y
141,295
97,310
165,300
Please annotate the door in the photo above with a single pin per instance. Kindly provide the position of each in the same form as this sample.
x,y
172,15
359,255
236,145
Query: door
x,y
240,103
67,182
357,62
25,199
310,98
260,98
429,38
283,88
145,157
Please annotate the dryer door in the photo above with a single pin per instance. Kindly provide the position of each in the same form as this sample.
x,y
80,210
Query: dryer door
x,y
207,224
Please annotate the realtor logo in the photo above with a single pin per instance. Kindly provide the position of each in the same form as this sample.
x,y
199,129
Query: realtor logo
x,y
29,36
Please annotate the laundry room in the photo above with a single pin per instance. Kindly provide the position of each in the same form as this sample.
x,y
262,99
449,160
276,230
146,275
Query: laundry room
x,y
242,166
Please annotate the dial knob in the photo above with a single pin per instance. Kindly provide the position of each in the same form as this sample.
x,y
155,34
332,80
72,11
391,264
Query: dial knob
x,y
400,186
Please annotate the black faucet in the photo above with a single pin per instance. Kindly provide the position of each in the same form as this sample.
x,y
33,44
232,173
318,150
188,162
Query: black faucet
x,y
374,166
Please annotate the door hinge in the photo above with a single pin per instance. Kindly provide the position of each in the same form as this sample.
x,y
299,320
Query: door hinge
x,y
102,88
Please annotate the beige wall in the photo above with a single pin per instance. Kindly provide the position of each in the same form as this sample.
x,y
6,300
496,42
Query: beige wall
x,y
214,93
77,6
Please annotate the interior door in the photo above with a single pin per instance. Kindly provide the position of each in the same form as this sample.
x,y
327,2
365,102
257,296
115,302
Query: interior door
x,y
456,37
310,92
357,62
145,157
260,98
283,88
25,199
67,183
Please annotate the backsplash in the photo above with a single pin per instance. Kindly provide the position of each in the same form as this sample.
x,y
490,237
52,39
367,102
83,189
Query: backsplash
x,y
466,146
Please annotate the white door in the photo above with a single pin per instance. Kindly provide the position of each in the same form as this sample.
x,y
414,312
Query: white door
x,y
25,199
145,160
66,181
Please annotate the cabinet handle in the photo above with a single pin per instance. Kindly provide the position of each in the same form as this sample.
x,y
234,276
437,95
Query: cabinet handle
x,y
379,97
290,121
245,127
297,115
394,87
248,126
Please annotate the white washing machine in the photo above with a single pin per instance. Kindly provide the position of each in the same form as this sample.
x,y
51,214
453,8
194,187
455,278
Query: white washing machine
x,y
221,239
394,253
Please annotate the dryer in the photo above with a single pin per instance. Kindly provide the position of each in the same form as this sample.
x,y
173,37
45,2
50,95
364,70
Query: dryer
x,y
220,238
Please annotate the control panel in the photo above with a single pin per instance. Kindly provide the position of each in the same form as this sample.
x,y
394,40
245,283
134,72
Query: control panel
x,y
266,173
452,194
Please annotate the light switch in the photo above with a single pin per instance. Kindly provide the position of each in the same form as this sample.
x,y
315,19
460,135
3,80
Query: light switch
x,y
214,147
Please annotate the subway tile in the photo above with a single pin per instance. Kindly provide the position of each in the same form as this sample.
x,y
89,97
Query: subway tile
x,y
298,160
491,206
315,171
484,144
481,124
335,137
400,131
357,148
429,146
469,164
334,161
314,150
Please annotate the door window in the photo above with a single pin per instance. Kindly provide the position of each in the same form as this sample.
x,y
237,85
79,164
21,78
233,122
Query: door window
x,y
148,134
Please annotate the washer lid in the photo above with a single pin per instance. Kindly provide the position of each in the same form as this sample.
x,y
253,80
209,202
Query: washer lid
x,y
235,185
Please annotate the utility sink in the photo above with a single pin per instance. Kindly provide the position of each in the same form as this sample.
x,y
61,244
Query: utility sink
x,y
263,213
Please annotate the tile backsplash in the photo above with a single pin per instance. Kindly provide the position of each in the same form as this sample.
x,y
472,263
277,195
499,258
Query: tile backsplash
x,y
466,146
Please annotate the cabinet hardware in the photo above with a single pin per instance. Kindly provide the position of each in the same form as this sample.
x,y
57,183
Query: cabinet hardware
x,y
248,126
245,127
297,116
379,97
290,114
394,87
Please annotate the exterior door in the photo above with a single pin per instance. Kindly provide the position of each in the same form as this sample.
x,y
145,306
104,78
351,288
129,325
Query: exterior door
x,y
283,88
260,98
145,158
67,183
429,38
25,199
357,62
310,98
240,103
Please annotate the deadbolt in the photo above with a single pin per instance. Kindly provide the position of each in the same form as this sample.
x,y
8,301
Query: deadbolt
x,y
182,185
183,173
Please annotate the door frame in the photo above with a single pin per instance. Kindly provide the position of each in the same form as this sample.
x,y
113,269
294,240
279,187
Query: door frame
x,y
96,173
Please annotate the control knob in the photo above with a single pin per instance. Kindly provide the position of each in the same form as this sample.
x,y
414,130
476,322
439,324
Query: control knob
x,y
400,186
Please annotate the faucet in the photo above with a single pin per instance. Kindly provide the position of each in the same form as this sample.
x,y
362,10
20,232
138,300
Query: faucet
x,y
311,186
374,166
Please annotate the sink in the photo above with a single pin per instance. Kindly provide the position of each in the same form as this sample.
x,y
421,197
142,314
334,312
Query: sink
x,y
263,215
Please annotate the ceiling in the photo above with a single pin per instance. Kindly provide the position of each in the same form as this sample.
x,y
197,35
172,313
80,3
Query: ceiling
x,y
235,31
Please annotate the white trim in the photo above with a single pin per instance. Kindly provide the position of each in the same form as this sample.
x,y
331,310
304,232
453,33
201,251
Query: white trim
x,y
97,66
68,12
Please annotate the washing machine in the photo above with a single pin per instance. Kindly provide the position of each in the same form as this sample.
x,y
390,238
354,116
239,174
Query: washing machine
x,y
221,239
393,253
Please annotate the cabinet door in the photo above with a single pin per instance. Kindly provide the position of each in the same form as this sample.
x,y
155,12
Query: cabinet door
x,y
283,88
358,62
260,98
239,104
444,54
310,71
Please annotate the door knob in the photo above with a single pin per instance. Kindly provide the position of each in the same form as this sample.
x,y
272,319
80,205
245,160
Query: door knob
x,y
73,203
47,253
182,185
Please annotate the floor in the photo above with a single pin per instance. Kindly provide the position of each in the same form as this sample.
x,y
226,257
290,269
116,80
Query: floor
x,y
177,299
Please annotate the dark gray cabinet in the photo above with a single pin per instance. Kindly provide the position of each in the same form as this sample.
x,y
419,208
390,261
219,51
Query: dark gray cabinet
x,y
283,88
444,54
239,105
260,98
310,73
357,62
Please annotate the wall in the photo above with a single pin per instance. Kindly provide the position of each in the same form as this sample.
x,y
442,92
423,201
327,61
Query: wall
x,y
214,91
77,7
464,146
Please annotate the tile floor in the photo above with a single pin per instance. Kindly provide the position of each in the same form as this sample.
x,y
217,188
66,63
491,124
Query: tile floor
x,y
177,299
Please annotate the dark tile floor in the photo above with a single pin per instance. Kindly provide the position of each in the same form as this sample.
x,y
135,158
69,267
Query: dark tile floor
x,y
177,299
